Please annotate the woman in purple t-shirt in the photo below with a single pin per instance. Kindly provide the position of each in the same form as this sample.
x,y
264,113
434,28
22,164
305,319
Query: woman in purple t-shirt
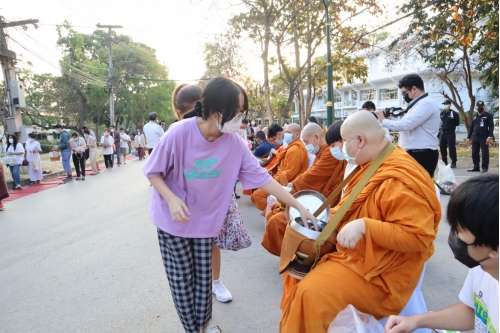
x,y
192,170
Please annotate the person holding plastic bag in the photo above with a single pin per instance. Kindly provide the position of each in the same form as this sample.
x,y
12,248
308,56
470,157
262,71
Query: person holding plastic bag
x,y
446,178
473,216
33,150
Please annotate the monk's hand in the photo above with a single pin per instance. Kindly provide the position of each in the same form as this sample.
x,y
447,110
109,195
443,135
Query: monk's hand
x,y
350,235
178,209
399,324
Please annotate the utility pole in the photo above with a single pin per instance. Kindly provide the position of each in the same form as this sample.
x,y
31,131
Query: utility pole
x,y
7,58
110,68
329,104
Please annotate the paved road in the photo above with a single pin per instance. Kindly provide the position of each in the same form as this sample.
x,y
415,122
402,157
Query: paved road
x,y
83,257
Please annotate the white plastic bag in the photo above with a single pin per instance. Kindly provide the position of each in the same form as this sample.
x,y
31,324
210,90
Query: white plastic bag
x,y
271,200
351,320
446,178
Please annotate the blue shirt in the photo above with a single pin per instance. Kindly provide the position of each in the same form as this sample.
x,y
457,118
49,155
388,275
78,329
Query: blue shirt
x,y
264,148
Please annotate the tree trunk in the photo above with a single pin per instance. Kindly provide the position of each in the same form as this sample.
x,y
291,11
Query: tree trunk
x,y
299,74
265,56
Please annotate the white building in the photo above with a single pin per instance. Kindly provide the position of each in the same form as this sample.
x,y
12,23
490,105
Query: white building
x,y
382,89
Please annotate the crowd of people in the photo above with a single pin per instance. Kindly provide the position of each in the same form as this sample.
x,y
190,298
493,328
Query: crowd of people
x,y
388,211
382,196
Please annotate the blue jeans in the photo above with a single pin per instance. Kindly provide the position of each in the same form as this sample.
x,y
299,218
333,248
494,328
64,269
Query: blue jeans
x,y
14,170
66,157
118,153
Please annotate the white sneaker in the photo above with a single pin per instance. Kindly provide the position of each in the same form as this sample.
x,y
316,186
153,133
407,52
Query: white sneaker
x,y
212,329
223,295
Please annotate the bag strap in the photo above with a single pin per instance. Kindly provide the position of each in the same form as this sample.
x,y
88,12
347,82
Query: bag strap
x,y
336,192
339,214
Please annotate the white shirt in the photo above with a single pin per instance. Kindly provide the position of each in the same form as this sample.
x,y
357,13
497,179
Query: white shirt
x,y
110,141
152,132
480,292
348,169
418,129
124,144
312,157
19,149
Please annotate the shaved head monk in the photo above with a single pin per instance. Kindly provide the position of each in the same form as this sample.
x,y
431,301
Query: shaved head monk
x,y
383,240
292,162
323,176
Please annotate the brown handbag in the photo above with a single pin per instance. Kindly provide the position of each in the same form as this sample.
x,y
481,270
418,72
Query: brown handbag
x,y
300,254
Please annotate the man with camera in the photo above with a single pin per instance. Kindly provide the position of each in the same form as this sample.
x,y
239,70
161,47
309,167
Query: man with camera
x,y
481,132
419,127
449,122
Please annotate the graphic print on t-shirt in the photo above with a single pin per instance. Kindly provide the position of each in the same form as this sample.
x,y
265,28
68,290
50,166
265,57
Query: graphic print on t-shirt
x,y
199,173
483,320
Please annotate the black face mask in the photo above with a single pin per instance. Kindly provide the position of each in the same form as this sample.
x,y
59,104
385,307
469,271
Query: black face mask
x,y
480,110
460,251
406,98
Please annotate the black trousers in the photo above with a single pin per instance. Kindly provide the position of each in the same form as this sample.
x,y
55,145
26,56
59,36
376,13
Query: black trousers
x,y
107,161
480,142
150,150
448,140
427,158
79,163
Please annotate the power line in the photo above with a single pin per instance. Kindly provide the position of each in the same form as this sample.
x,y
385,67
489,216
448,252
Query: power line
x,y
74,11
97,16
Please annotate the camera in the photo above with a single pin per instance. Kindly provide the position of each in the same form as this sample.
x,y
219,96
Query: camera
x,y
393,111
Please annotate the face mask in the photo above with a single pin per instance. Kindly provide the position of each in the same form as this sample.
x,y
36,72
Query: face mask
x,y
461,252
337,153
106,135
288,138
253,123
349,159
31,140
11,140
406,98
280,141
232,126
480,110
311,149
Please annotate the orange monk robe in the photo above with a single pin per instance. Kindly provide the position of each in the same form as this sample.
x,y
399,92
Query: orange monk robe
x,y
323,176
294,161
401,213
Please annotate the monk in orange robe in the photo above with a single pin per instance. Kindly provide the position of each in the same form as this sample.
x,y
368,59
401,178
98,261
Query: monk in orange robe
x,y
323,176
292,162
383,240
275,135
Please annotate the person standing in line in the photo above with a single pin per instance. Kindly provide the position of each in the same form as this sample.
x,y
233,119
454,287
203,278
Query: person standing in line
x,y
92,148
65,149
152,131
33,150
449,122
107,149
199,158
140,144
481,132
15,149
419,127
91,132
78,147
116,137
124,141
87,151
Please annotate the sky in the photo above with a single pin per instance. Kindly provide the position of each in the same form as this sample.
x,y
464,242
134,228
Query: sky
x,y
177,29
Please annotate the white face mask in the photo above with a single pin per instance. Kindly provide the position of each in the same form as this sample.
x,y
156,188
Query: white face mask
x,y
231,126
253,123
31,140
11,140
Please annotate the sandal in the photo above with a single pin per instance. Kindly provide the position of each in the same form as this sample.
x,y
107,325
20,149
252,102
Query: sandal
x,y
83,178
78,178
38,181
18,188
32,183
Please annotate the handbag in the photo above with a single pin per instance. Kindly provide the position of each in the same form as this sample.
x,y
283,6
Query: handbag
x,y
233,235
310,252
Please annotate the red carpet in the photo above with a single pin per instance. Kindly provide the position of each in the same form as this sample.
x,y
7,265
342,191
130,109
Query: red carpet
x,y
46,184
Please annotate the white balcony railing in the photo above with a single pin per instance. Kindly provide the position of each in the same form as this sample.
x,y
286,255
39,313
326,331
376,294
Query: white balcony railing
x,y
350,103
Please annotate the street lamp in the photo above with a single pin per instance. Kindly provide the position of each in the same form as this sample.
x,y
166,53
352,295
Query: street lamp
x,y
329,104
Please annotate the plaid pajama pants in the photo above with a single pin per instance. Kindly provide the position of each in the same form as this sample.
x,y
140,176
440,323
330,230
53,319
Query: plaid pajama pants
x,y
188,264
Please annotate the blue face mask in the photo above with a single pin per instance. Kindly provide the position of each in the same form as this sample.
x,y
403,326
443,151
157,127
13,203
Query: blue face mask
x,y
288,138
311,149
280,141
337,153
349,159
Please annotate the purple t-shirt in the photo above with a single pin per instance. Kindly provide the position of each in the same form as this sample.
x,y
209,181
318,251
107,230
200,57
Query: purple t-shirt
x,y
202,174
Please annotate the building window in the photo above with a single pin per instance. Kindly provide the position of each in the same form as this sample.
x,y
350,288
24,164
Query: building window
x,y
336,97
354,96
388,94
368,95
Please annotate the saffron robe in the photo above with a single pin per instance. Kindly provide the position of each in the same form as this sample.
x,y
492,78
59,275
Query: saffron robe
x,y
323,176
292,162
401,213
